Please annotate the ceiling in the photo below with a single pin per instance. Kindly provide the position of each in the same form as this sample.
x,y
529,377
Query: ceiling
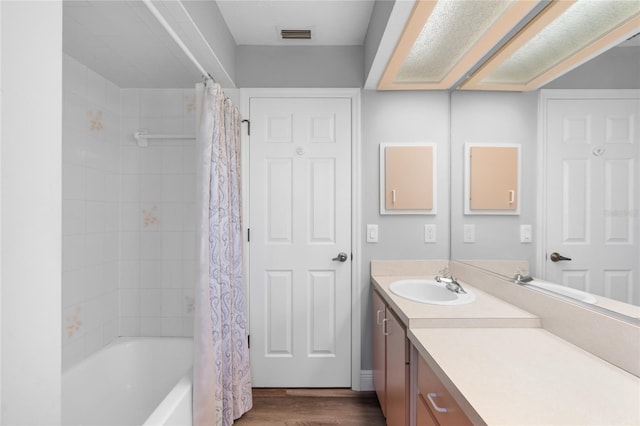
x,y
332,22
124,42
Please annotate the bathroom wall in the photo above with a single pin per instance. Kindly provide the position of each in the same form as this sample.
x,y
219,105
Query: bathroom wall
x,y
157,214
128,219
30,264
90,228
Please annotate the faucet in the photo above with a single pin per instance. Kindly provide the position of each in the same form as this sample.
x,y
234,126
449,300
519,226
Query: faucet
x,y
522,279
451,284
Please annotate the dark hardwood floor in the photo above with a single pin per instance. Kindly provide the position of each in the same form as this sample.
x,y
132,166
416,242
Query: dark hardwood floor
x,y
313,407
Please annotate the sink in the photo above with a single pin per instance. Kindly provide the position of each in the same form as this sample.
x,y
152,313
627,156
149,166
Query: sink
x,y
430,291
564,291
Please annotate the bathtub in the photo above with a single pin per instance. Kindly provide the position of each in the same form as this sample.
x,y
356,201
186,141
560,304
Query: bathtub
x,y
132,381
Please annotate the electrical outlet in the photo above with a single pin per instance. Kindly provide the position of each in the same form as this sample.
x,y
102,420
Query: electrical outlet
x,y
430,233
372,233
469,233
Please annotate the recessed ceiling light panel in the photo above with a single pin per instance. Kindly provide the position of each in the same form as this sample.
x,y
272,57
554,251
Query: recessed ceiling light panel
x,y
563,36
444,39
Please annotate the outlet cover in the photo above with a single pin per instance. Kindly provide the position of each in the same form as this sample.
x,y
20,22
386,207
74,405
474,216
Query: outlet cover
x,y
430,233
469,233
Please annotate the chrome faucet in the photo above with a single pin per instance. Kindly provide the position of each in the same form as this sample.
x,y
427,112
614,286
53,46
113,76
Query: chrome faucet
x,y
451,284
522,279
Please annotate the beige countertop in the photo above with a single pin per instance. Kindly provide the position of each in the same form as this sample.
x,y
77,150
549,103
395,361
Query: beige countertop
x,y
529,376
485,311
504,369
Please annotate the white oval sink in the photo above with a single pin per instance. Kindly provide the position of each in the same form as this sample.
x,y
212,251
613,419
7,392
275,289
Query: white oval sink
x,y
565,291
430,291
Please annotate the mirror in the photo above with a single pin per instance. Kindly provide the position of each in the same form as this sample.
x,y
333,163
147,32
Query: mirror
x,y
513,118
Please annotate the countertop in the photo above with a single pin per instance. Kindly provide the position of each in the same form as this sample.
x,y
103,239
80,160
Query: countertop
x,y
485,311
504,369
528,376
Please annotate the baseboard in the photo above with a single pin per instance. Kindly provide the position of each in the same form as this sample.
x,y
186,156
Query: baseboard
x,y
366,380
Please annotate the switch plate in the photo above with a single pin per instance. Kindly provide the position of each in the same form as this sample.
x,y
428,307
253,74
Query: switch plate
x,y
525,234
430,233
469,233
372,233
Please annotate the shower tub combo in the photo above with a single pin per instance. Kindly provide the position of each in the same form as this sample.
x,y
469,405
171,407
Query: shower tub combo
x,y
133,381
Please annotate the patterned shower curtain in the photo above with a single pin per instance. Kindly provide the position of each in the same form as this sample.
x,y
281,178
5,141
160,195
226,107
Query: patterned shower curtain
x,y
221,382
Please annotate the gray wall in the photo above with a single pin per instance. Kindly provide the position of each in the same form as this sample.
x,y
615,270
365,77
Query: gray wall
x,y
400,117
323,66
618,68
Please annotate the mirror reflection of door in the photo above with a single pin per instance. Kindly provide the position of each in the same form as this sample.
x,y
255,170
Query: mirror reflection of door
x,y
592,151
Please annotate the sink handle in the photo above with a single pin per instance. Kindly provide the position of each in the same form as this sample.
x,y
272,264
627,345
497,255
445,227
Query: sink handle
x,y
430,397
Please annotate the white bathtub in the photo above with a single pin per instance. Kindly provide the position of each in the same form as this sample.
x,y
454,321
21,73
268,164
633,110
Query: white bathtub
x,y
133,381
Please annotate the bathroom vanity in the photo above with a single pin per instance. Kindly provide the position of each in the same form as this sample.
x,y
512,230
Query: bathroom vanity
x,y
486,362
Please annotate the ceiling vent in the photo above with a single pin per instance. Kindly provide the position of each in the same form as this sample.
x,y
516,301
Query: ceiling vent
x,y
295,34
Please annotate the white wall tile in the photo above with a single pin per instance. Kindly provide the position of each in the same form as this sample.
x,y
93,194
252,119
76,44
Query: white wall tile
x,y
171,302
130,216
129,245
73,217
150,245
151,102
172,327
172,275
129,302
73,283
112,97
129,274
150,274
188,245
151,188
150,159
130,159
96,89
189,274
74,77
73,252
130,102
172,188
172,160
172,216
171,245
150,302
73,182
129,326
173,126
172,102
151,327
130,188
95,216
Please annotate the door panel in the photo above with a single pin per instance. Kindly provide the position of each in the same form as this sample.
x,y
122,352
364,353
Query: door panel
x,y
300,219
592,160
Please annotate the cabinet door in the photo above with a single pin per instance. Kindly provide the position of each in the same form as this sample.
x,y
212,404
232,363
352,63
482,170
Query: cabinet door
x,y
397,372
409,178
379,377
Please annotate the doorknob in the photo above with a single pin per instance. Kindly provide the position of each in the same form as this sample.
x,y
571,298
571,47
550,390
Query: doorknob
x,y
342,257
556,257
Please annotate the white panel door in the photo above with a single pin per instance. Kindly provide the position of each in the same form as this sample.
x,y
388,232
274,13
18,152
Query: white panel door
x,y
300,221
592,195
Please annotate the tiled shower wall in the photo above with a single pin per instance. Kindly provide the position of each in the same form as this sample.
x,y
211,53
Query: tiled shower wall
x,y
90,229
128,213
157,216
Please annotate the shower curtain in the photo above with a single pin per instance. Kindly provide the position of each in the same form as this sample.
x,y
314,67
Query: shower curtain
x,y
221,382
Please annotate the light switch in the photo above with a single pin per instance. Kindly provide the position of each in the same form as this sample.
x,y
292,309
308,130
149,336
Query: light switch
x,y
525,234
430,233
469,233
372,233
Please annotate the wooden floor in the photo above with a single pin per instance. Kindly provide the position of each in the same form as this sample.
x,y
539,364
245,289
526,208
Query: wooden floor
x,y
313,407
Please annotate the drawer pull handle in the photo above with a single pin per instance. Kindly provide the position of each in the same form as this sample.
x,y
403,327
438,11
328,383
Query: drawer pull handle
x,y
430,397
378,317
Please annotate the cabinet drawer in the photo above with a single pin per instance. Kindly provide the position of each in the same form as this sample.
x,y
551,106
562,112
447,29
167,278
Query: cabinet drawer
x,y
439,401
423,415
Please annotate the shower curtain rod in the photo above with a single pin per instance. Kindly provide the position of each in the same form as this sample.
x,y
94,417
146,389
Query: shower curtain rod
x,y
142,137
206,75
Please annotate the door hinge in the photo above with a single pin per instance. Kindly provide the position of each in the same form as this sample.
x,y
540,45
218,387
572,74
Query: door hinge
x,y
249,341
248,126
248,234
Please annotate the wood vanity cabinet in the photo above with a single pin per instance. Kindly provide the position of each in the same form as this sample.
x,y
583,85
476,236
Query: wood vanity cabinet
x,y
434,403
390,363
